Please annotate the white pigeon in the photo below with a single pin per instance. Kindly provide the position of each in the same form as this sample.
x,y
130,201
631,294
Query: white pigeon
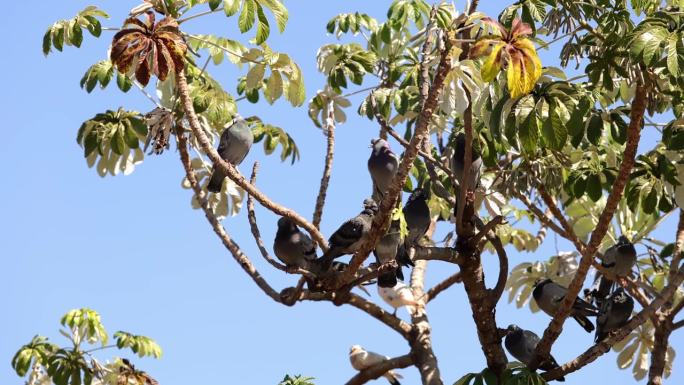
x,y
398,296
362,359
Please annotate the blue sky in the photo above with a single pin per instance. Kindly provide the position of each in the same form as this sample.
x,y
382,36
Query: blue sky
x,y
133,249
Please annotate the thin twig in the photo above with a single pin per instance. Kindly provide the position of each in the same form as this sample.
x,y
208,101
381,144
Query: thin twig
x,y
327,170
440,287
219,9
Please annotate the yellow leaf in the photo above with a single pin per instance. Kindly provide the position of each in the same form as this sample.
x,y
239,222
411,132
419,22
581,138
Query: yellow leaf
x,y
492,65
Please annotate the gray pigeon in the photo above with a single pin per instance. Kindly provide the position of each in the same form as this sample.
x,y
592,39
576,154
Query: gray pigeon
x,y
351,235
457,165
614,313
386,251
522,344
548,295
293,247
417,215
382,165
619,259
235,142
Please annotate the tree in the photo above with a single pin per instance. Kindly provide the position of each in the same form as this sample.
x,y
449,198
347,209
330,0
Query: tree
x,y
558,152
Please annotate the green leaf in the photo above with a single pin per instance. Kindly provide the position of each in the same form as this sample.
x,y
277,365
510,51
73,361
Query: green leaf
x,y
214,4
279,12
255,76
231,7
554,131
274,87
594,189
47,41
594,129
123,82
263,29
246,18
76,35
673,53
528,133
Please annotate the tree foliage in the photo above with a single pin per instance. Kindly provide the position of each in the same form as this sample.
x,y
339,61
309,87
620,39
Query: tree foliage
x,y
558,144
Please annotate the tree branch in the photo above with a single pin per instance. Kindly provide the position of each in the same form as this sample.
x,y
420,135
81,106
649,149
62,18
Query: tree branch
x,y
633,134
232,172
233,247
322,191
440,287
378,370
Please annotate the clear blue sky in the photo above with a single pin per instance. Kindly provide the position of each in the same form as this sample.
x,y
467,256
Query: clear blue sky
x,y
133,249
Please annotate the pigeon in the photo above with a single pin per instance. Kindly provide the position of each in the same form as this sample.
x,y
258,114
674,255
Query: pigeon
x,y
417,215
386,251
351,235
619,259
397,296
614,313
457,165
293,247
599,291
235,142
382,165
362,359
522,344
548,295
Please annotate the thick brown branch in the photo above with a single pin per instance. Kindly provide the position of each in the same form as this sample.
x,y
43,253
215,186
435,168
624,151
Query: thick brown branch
x,y
661,339
433,253
633,134
325,179
378,370
232,172
233,247
440,287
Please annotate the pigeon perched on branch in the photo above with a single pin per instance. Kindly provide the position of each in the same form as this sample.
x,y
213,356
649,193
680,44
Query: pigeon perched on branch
x,y
382,165
548,295
293,247
614,313
522,345
351,235
235,142
362,359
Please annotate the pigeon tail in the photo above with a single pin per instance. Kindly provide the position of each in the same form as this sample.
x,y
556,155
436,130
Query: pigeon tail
x,y
393,378
584,322
216,181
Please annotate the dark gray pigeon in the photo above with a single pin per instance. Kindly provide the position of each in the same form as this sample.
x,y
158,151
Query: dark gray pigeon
x,y
457,165
382,165
614,313
386,251
293,247
522,344
619,259
548,295
417,215
235,142
351,235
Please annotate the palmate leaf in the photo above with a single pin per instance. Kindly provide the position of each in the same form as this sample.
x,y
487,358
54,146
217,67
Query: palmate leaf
x,y
141,345
252,12
511,49
273,137
101,73
319,107
351,22
38,351
114,138
70,32
146,48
